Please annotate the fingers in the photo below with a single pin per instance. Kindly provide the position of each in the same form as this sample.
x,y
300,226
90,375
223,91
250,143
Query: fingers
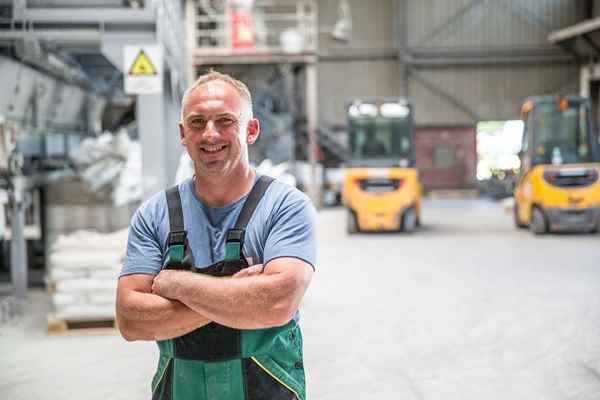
x,y
155,285
250,271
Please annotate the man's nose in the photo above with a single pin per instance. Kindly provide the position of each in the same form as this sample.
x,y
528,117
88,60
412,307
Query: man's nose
x,y
210,130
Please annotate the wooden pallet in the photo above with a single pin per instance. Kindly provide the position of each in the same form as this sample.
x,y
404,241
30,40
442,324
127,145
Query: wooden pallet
x,y
59,326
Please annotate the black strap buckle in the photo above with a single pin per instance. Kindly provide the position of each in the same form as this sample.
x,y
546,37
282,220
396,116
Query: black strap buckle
x,y
235,235
177,237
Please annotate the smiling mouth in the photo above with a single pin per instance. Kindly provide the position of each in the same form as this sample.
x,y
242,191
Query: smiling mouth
x,y
212,148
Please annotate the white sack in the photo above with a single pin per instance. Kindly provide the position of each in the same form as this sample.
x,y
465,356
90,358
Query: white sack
x,y
79,259
85,285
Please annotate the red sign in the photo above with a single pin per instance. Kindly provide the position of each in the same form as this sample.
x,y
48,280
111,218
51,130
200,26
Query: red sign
x,y
242,29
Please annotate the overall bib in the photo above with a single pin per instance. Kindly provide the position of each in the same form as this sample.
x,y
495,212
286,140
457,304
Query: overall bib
x,y
216,362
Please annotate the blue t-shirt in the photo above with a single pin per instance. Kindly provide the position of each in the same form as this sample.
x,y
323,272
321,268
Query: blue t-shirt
x,y
282,226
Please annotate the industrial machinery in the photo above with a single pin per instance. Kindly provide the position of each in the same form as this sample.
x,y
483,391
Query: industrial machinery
x,y
381,184
558,187
62,70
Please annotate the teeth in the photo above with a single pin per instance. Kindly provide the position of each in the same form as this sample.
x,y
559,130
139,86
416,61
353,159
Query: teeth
x,y
213,147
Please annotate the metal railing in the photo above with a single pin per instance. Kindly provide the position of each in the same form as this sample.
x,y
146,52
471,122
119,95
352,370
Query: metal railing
x,y
268,27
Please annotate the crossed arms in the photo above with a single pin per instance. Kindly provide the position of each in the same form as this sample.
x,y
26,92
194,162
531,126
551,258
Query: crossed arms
x,y
174,303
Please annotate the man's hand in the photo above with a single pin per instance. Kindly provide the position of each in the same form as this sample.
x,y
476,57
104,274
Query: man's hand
x,y
165,284
142,315
250,271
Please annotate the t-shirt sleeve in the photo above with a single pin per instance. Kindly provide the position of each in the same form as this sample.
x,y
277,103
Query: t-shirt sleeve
x,y
292,232
144,253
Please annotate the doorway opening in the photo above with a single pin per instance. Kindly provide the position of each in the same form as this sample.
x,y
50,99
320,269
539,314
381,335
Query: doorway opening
x,y
498,163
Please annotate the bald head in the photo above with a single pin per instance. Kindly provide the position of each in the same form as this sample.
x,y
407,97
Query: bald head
x,y
211,76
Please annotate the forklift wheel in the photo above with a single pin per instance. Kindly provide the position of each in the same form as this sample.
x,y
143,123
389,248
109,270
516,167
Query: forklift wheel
x,y
351,222
409,220
597,228
538,224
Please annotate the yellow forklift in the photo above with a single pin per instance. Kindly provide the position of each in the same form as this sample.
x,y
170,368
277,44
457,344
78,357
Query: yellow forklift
x,y
558,187
381,189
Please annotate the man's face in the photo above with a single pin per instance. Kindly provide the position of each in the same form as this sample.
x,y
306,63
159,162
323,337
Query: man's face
x,y
216,129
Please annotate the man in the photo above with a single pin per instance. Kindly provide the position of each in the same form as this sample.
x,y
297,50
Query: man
x,y
224,330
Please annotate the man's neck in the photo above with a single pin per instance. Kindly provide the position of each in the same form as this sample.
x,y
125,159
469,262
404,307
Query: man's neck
x,y
220,191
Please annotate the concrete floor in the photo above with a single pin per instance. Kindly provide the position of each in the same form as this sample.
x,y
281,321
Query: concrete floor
x,y
466,308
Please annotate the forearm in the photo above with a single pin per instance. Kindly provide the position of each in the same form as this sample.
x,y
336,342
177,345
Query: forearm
x,y
146,316
253,302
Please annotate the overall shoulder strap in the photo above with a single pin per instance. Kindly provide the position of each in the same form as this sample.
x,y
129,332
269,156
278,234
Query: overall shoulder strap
x,y
257,192
175,210
177,233
235,236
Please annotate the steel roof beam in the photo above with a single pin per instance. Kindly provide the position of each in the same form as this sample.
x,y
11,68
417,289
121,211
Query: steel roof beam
x,y
449,57
591,42
440,28
435,89
522,12
65,16
64,36
575,30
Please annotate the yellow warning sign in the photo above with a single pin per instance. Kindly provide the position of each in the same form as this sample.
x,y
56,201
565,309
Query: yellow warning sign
x,y
142,69
142,66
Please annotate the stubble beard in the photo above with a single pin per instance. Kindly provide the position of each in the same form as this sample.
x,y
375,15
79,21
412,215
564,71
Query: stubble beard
x,y
222,170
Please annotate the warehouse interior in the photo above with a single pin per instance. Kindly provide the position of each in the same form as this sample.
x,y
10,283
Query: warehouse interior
x,y
84,139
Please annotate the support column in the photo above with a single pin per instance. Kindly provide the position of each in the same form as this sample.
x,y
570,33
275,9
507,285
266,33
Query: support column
x,y
149,116
314,191
18,245
584,80
155,114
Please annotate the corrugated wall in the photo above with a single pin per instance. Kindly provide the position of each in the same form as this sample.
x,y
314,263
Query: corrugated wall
x,y
487,23
339,81
471,60
372,24
459,96
465,60
595,8
366,65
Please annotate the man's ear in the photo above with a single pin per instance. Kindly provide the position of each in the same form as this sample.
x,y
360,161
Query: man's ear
x,y
181,134
252,131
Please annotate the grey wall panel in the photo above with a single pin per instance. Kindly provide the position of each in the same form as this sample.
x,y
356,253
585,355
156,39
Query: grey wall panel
x,y
485,23
466,95
46,97
372,24
595,8
68,107
339,81
433,109
18,87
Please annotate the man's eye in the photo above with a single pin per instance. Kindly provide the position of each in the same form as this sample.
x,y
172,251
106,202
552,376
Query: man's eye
x,y
224,121
197,122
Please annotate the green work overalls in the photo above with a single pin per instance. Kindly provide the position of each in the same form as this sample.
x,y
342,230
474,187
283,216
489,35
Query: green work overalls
x,y
216,362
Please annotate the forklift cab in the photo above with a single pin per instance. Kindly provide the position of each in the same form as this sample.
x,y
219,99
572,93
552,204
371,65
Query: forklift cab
x,y
558,187
381,136
381,190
